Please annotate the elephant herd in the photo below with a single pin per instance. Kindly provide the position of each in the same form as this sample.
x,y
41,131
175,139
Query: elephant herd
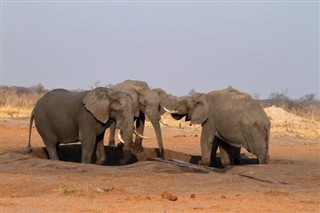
x,y
229,119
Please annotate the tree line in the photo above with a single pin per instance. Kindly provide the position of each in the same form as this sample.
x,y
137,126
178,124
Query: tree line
x,y
26,97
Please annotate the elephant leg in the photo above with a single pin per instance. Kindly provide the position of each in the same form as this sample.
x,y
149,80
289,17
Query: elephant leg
x,y
50,141
230,155
214,149
236,153
258,144
140,122
224,148
87,147
100,152
112,134
207,136
52,151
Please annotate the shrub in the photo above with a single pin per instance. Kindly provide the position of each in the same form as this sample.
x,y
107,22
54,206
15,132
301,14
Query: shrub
x,y
21,97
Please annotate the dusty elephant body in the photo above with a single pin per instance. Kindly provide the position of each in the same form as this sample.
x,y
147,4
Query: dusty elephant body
x,y
231,117
62,116
148,104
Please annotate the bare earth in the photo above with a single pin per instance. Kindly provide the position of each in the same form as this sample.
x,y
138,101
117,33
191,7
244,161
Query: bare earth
x,y
32,183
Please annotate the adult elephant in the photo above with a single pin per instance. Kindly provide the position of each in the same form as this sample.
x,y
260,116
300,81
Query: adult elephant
x,y
228,117
148,104
62,116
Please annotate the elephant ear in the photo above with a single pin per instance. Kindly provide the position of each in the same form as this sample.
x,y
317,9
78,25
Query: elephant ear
x,y
164,100
201,109
97,102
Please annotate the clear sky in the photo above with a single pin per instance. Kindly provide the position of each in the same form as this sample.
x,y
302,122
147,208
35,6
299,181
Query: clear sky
x,y
258,46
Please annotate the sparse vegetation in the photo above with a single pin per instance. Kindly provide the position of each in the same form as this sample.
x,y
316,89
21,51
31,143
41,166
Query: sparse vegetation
x,y
19,98
307,106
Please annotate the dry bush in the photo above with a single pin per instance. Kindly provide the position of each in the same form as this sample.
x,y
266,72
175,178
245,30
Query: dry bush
x,y
307,106
20,97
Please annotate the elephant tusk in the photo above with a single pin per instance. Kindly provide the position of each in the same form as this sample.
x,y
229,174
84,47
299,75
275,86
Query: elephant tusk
x,y
141,136
120,137
170,111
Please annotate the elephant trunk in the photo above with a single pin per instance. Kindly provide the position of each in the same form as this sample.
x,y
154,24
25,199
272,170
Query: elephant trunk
x,y
157,129
126,135
127,138
126,132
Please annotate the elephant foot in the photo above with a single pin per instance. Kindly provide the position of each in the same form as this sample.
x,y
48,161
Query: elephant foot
x,y
99,162
200,162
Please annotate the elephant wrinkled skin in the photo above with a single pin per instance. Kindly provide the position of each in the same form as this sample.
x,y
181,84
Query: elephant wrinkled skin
x,y
231,120
62,116
148,104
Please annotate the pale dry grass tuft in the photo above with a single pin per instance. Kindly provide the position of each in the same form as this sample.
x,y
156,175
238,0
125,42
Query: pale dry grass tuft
x,y
14,112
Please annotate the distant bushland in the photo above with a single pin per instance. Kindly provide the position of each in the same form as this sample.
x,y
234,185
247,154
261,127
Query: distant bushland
x,y
307,106
26,97
21,97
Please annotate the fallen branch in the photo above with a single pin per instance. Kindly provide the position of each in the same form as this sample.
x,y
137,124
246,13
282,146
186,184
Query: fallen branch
x,y
190,166
257,179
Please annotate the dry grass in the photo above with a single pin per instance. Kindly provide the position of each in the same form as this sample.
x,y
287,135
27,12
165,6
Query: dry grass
x,y
283,122
300,117
14,112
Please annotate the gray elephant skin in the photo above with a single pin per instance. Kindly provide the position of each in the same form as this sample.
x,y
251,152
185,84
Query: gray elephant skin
x,y
148,103
231,120
62,116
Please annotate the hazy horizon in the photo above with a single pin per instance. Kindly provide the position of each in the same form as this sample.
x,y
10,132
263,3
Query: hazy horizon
x,y
258,47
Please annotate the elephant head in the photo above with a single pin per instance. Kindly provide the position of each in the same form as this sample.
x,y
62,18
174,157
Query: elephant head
x,y
109,105
148,103
230,115
194,108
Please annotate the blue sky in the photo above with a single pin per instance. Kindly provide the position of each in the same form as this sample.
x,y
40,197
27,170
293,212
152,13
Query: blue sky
x,y
258,47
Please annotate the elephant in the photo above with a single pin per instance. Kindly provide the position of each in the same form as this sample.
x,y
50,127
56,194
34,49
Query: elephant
x,y
230,119
148,104
62,116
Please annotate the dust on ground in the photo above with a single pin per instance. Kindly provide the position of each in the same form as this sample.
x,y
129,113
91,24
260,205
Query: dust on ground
x,y
32,183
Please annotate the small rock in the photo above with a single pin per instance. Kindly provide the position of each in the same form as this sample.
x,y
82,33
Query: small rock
x,y
169,196
224,197
103,189
192,196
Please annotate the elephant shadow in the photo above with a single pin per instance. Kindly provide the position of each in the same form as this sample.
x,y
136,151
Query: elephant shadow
x,y
72,153
245,160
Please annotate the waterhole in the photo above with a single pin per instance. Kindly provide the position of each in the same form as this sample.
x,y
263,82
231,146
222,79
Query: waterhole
x,y
72,153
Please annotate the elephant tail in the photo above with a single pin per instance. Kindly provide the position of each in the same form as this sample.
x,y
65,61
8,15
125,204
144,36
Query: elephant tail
x,y
268,140
29,147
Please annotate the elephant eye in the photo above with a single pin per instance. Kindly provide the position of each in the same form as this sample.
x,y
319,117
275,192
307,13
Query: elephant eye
x,y
143,101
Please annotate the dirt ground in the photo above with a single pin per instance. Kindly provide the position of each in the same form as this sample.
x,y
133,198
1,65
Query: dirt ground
x,y
32,183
